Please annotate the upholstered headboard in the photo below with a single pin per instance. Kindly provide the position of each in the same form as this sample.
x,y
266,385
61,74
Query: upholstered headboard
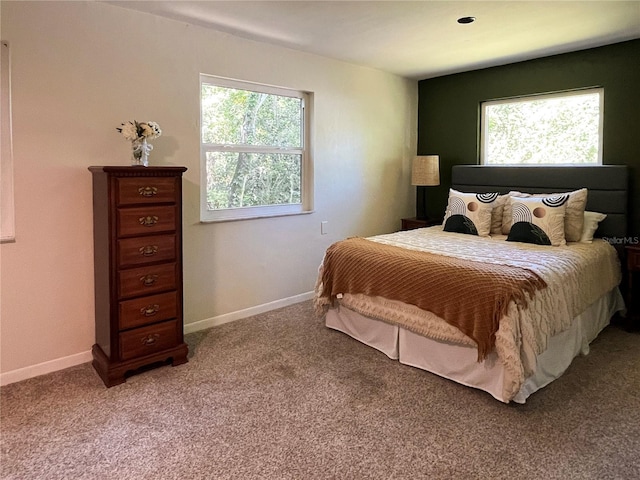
x,y
607,185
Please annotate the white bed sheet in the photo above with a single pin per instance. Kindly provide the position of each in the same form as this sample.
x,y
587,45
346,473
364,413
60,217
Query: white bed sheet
x,y
459,363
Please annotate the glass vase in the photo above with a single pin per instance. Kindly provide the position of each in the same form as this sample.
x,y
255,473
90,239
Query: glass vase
x,y
140,152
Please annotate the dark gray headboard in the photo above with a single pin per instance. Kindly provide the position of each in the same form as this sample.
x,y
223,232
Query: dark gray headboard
x,y
607,185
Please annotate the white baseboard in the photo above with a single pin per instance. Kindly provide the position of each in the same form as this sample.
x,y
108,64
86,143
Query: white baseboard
x,y
45,367
247,312
83,357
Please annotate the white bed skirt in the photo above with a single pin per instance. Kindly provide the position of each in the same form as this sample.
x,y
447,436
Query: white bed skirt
x,y
459,363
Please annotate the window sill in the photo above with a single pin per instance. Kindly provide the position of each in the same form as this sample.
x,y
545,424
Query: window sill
x,y
257,216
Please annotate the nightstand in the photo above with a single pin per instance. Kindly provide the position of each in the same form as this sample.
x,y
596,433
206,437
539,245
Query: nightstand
x,y
633,288
414,222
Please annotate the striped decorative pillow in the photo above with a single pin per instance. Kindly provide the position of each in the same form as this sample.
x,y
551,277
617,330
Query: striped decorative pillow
x,y
538,220
574,217
469,213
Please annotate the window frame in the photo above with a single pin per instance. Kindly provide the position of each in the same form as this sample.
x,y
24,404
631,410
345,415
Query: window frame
x,y
524,98
306,168
7,207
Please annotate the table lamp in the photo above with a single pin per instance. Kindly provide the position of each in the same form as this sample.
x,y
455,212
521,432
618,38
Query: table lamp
x,y
425,172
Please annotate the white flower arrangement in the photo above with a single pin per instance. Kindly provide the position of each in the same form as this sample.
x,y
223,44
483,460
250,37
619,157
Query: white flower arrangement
x,y
137,131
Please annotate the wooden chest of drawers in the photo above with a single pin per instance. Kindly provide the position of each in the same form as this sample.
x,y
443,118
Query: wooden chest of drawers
x,y
137,230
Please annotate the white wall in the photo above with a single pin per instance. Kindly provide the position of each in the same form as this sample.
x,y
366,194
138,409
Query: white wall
x,y
79,70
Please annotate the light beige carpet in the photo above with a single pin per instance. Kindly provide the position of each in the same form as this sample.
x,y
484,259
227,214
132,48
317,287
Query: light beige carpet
x,y
279,396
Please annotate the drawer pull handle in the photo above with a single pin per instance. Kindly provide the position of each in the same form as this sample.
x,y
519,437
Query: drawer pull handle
x,y
148,191
148,250
148,280
150,340
150,310
148,221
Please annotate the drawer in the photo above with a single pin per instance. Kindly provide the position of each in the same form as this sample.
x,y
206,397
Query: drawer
x,y
146,280
146,310
136,190
147,340
143,220
144,250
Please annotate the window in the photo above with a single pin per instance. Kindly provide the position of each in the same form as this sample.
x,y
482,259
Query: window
x,y
553,129
255,159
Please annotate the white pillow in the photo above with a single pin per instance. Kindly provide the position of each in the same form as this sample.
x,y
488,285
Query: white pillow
x,y
496,214
591,221
574,218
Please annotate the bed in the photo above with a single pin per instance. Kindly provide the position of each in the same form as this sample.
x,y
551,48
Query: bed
x,y
506,317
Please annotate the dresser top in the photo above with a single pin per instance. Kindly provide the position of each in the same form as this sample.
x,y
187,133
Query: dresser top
x,y
135,171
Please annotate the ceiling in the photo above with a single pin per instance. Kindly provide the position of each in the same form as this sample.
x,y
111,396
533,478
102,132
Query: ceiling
x,y
419,39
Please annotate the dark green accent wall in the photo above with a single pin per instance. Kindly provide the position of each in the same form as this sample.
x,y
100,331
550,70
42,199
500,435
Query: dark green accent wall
x,y
448,111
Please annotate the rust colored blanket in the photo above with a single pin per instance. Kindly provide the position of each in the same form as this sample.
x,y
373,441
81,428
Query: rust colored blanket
x,y
471,296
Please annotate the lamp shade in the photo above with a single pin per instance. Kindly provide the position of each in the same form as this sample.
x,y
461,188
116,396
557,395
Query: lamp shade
x,y
425,170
